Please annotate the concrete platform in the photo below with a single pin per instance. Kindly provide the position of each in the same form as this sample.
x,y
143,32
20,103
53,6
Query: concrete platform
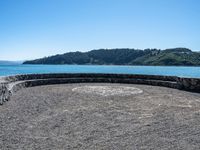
x,y
70,116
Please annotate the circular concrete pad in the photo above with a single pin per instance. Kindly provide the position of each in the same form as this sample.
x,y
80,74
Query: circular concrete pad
x,y
108,90
61,117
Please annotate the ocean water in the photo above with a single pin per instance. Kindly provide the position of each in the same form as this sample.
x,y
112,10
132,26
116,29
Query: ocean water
x,y
6,70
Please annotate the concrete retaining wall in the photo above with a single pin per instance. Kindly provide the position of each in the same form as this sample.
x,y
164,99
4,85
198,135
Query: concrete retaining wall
x,y
11,84
4,93
88,75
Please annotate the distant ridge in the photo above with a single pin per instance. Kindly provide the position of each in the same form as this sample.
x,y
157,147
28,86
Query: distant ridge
x,y
5,62
125,56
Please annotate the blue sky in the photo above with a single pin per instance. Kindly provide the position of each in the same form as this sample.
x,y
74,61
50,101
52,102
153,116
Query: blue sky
x,y
36,28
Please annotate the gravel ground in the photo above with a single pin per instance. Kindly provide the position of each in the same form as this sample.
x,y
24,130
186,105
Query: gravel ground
x,y
62,117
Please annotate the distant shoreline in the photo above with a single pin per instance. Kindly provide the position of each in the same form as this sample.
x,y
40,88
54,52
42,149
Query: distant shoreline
x,y
111,65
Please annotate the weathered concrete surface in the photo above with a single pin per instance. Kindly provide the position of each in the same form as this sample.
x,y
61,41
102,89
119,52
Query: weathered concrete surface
x,y
57,117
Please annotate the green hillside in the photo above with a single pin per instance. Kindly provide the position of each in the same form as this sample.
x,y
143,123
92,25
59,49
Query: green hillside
x,y
168,57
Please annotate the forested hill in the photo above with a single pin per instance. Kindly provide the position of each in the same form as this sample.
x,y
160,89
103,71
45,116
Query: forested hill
x,y
168,57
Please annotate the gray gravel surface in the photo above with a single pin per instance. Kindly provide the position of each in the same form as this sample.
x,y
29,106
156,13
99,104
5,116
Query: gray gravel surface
x,y
58,117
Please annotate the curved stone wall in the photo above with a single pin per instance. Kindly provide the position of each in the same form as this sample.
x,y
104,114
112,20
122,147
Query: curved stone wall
x,y
11,84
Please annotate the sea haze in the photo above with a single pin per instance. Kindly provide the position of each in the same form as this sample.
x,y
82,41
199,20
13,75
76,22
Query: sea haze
x,y
5,62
